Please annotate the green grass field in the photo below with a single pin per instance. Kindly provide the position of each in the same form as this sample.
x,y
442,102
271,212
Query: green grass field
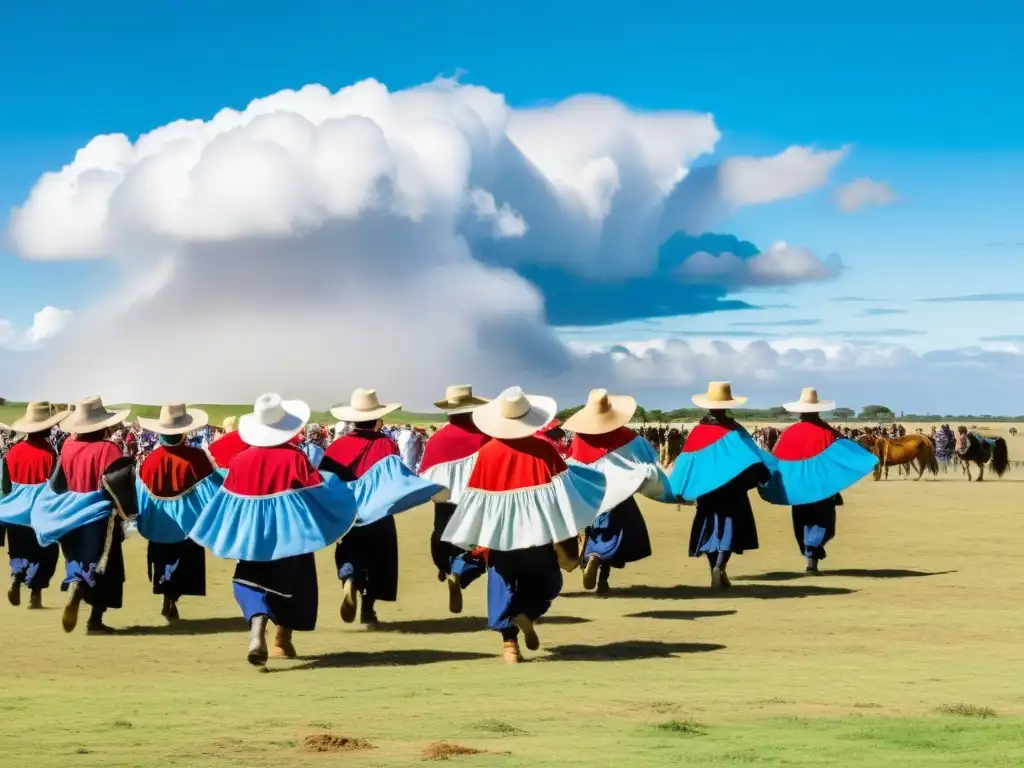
x,y
908,654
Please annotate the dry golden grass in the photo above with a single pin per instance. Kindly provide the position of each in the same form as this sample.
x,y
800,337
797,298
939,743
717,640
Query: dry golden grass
x,y
909,653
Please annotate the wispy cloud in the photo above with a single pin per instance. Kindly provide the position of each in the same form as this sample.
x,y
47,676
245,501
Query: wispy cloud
x,y
1005,244
852,300
976,297
881,312
723,334
1005,337
872,333
797,322
861,193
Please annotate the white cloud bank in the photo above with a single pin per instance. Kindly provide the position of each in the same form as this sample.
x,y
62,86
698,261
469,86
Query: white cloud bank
x,y
317,241
864,192
46,324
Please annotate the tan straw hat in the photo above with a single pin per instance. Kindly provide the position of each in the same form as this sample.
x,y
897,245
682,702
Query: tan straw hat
x,y
39,417
514,414
230,423
175,419
603,413
809,403
718,397
90,415
459,398
363,406
273,421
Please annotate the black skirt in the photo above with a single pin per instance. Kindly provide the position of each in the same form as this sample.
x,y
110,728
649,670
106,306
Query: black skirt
x,y
31,564
177,569
83,549
369,556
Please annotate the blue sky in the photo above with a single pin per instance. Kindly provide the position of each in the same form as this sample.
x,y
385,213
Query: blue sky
x,y
925,97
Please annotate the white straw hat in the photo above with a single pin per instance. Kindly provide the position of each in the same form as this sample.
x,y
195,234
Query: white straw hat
x,y
513,414
175,419
718,397
90,415
459,398
603,413
364,405
809,403
273,421
39,417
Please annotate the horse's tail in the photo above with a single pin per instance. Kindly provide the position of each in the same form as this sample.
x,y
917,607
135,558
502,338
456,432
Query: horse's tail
x,y
933,461
1000,457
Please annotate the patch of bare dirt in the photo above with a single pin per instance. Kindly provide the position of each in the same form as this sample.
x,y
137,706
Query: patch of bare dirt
x,y
442,750
328,742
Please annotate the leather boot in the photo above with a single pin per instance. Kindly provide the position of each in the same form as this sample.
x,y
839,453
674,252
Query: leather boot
x,y
590,573
525,625
14,593
454,594
283,647
35,600
258,641
511,652
349,601
69,617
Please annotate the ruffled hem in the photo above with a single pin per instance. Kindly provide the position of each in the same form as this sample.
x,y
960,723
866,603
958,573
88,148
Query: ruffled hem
x,y
16,506
55,515
453,475
701,472
528,517
390,487
168,521
262,529
629,470
811,480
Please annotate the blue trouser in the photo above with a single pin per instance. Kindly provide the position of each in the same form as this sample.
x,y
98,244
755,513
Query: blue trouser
x,y
449,559
814,525
524,581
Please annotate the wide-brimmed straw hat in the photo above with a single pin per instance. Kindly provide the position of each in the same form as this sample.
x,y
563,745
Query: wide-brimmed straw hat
x,y
459,398
175,419
90,415
718,397
603,413
809,403
273,421
230,423
514,414
39,417
364,405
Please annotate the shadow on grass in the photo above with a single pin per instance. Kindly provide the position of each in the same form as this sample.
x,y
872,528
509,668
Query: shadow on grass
x,y
678,615
414,657
461,625
688,592
853,573
214,626
628,650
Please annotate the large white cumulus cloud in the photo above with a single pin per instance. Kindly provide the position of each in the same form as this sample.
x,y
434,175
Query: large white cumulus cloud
x,y
318,241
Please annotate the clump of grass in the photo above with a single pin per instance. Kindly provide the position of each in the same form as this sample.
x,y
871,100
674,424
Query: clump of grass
x,y
773,700
320,724
681,728
966,710
499,726
663,707
122,723
867,705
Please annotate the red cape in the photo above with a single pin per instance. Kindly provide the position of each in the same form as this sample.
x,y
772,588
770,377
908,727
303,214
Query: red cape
x,y
267,471
225,448
30,462
803,440
169,471
359,450
703,435
85,463
453,442
508,465
586,449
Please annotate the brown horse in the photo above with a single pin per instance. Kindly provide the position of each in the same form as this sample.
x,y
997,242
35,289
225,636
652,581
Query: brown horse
x,y
904,451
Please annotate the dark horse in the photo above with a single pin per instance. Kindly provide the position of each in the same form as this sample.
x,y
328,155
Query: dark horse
x,y
977,449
